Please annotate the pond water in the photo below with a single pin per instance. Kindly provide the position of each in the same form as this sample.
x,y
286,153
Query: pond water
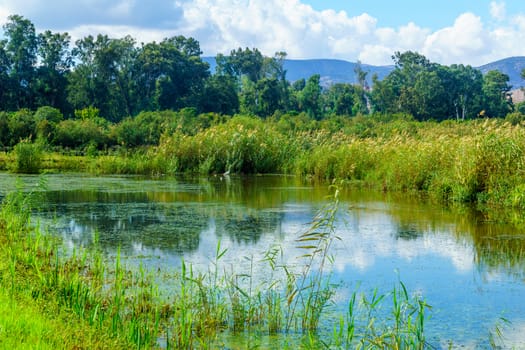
x,y
471,270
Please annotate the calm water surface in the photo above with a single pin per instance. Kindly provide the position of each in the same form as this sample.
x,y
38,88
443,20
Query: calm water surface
x,y
471,270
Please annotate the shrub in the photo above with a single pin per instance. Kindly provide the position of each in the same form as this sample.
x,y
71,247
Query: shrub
x,y
28,157
80,133
21,126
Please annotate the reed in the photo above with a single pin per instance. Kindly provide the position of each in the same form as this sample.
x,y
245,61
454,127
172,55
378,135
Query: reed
x,y
27,157
480,161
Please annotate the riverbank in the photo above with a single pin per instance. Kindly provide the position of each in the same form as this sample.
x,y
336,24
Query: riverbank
x,y
478,161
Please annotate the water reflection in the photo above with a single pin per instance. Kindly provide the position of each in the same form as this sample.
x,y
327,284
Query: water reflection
x,y
468,266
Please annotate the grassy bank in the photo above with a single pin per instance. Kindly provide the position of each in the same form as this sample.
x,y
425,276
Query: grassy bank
x,y
481,161
72,300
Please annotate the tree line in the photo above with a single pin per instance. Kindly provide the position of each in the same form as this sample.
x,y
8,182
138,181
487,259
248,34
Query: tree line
x,y
120,78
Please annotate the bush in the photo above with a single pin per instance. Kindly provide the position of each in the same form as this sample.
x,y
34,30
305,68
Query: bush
x,y
28,157
144,129
21,126
80,133
52,115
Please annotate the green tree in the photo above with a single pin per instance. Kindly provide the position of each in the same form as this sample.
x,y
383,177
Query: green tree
x,y
21,126
310,99
82,85
429,96
360,75
170,74
51,75
465,91
249,63
144,129
21,50
262,98
428,90
5,81
104,76
345,99
220,95
46,119
4,129
496,101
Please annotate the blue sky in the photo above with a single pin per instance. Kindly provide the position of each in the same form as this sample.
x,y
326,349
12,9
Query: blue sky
x,y
471,32
429,14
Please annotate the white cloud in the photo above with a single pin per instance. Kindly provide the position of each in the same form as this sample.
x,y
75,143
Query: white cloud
x,y
142,35
297,28
4,13
277,25
466,38
498,10
519,22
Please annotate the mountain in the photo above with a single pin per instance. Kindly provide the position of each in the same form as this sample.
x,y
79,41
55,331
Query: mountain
x,y
511,66
332,71
339,71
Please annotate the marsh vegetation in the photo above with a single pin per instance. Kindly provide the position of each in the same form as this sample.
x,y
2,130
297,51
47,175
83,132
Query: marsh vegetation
x,y
139,262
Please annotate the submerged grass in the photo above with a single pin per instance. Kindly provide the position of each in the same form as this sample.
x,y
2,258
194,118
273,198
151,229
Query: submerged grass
x,y
79,299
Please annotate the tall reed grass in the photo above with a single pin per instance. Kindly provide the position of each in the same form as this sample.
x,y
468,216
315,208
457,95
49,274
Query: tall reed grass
x,y
481,161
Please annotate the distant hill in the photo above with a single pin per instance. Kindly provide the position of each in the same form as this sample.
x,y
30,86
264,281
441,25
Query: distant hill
x,y
339,71
332,71
511,66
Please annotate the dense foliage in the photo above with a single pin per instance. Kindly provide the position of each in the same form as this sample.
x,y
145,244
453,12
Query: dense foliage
x,y
121,79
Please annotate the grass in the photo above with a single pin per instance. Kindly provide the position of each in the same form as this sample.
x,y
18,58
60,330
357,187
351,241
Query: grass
x,y
479,161
66,300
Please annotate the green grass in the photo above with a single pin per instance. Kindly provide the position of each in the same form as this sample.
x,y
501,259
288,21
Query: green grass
x,y
50,299
29,324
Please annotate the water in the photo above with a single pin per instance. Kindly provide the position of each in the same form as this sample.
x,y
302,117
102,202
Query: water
x,y
470,269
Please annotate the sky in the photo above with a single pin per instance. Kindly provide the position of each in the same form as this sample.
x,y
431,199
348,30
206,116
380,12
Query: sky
x,y
473,32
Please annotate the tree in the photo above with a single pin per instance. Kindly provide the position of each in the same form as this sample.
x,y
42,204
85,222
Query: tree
x,y
261,98
51,75
428,90
5,81
21,50
82,84
104,76
170,74
310,97
21,126
465,90
46,119
339,99
240,63
397,92
220,95
360,75
496,102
